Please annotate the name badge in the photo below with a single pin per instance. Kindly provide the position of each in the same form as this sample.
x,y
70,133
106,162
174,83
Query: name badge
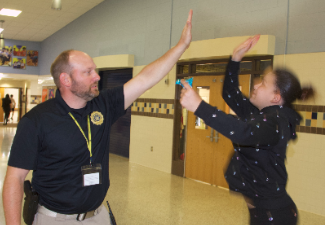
x,y
91,174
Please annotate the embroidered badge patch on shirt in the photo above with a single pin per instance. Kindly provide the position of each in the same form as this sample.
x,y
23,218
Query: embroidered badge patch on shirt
x,y
97,118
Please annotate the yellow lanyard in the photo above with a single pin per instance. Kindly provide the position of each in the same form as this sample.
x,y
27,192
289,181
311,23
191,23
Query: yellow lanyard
x,y
89,133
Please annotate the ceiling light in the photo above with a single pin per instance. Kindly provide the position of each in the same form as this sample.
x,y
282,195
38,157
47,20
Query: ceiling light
x,y
1,29
2,40
9,12
56,5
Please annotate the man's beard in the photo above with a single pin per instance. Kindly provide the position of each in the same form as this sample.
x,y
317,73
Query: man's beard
x,y
82,92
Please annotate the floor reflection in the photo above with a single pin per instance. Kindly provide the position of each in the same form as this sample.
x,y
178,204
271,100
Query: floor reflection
x,y
139,195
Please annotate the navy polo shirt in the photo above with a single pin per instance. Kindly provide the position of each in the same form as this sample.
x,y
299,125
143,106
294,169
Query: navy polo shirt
x,y
49,142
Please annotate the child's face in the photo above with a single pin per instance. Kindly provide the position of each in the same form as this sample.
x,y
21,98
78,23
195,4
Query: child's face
x,y
264,92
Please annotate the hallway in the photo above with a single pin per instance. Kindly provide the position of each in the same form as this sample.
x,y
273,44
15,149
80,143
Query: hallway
x,y
143,196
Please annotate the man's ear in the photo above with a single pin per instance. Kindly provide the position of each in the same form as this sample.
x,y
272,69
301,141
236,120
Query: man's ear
x,y
65,79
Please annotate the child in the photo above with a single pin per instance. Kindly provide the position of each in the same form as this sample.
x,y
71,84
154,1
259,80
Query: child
x,y
265,124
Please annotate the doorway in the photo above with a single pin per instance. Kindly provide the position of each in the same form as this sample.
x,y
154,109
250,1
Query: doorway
x,y
14,117
120,131
208,152
199,152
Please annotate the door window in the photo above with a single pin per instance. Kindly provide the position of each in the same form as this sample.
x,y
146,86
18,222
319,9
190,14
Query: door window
x,y
204,93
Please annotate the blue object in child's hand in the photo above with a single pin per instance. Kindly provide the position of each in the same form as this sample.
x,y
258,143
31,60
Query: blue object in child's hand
x,y
189,81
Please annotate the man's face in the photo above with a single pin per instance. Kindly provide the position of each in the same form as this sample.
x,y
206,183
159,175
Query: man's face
x,y
84,76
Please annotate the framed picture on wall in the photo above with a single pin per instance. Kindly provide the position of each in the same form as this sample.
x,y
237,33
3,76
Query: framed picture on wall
x,y
19,63
32,58
51,93
6,56
19,50
48,92
35,99
44,94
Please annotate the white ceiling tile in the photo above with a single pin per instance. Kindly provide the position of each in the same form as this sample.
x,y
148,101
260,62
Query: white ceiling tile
x,y
46,18
9,36
27,16
10,29
29,31
38,21
23,36
78,10
6,34
36,39
36,26
17,25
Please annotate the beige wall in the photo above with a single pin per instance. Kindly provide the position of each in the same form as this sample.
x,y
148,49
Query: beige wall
x,y
151,131
309,68
305,157
147,132
221,47
164,89
13,83
114,61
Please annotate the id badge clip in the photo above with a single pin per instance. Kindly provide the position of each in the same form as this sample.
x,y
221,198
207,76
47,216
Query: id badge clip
x,y
91,175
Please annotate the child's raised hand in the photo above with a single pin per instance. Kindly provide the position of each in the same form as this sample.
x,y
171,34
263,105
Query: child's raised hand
x,y
244,47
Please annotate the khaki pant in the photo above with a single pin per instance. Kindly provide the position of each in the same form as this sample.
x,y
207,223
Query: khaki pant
x,y
102,218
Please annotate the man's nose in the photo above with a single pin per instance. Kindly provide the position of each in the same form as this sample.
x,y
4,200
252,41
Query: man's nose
x,y
97,77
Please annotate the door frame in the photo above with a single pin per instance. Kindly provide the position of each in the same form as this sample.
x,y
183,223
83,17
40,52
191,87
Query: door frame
x,y
188,69
123,124
19,103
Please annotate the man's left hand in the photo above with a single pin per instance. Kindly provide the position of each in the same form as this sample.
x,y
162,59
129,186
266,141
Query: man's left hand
x,y
186,36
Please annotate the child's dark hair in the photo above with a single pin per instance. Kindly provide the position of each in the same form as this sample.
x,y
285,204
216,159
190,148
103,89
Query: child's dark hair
x,y
290,88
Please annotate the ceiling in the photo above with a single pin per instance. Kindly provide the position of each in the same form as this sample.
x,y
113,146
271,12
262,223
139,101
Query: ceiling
x,y
37,21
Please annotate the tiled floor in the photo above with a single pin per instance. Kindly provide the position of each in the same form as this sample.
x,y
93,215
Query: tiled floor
x,y
143,196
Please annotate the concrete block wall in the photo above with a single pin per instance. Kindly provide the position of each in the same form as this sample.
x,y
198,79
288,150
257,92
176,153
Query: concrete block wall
x,y
142,27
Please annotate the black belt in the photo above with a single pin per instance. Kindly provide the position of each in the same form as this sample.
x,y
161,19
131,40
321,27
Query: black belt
x,y
79,217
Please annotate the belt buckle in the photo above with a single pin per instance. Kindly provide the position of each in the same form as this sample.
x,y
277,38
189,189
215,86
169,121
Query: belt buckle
x,y
86,215
81,216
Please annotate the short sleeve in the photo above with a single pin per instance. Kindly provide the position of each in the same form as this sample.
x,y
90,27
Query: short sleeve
x,y
25,145
115,100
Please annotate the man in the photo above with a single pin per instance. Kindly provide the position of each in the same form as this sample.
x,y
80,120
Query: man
x,y
5,56
6,102
59,143
22,64
12,106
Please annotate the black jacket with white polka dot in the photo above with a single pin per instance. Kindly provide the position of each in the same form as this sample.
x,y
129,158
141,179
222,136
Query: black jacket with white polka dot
x,y
260,138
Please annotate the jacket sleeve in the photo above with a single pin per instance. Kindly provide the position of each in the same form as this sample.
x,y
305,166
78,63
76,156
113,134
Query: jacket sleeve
x,y
256,131
232,95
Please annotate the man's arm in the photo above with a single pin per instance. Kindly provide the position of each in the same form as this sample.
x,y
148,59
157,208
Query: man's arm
x,y
12,195
155,71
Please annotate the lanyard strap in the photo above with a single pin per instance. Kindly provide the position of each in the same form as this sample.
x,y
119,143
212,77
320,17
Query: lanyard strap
x,y
89,133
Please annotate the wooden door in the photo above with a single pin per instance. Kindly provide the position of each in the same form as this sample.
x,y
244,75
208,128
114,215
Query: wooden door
x,y
207,151
199,145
